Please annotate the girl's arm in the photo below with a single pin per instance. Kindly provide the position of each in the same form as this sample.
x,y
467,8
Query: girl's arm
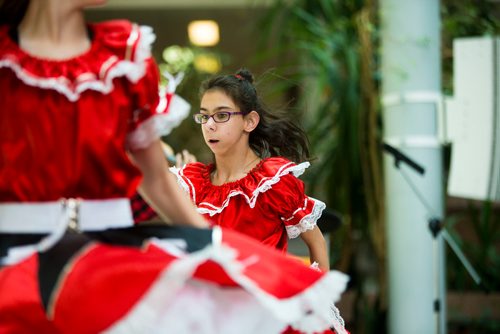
x,y
159,187
317,247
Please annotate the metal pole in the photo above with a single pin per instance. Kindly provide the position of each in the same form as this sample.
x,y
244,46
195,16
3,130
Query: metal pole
x,y
411,89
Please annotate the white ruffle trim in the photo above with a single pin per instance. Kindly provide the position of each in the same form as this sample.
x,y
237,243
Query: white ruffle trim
x,y
176,303
264,185
160,124
307,222
146,39
338,321
110,69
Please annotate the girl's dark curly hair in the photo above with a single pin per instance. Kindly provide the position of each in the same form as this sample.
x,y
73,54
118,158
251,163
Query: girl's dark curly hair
x,y
276,134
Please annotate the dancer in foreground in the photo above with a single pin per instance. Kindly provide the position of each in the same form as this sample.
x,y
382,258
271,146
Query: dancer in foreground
x,y
80,124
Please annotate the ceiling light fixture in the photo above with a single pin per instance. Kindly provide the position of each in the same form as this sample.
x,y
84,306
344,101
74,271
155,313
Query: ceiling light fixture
x,y
203,32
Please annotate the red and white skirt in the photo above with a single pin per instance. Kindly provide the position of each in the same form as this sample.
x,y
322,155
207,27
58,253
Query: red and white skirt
x,y
157,279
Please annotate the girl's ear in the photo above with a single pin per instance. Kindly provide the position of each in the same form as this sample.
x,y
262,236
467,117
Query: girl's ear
x,y
252,119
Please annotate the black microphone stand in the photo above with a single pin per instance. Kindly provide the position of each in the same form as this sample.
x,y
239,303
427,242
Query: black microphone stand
x,y
436,228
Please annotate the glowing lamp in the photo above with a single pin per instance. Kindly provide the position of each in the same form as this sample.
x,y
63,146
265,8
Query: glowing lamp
x,y
203,33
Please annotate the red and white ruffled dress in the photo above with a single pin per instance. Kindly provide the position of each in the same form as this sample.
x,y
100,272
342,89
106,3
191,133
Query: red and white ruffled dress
x,y
64,130
268,204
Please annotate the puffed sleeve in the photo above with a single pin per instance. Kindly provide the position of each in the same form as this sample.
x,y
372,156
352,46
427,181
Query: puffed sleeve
x,y
184,181
156,109
298,212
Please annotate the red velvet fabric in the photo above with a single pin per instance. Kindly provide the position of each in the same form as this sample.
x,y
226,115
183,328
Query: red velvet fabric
x,y
53,147
262,204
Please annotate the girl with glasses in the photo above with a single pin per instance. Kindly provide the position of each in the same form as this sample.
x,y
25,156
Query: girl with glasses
x,y
253,185
80,122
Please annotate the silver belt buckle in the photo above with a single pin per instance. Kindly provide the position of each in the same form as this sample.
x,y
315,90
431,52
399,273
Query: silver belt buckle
x,y
72,205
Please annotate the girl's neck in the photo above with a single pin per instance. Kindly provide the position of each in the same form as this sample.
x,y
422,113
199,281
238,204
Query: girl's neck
x,y
53,30
233,168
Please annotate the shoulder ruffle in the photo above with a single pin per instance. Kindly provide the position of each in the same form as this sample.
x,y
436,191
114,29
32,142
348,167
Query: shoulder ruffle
x,y
171,111
119,49
194,178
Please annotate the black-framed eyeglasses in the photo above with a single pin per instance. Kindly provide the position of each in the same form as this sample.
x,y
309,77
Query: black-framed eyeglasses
x,y
218,117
